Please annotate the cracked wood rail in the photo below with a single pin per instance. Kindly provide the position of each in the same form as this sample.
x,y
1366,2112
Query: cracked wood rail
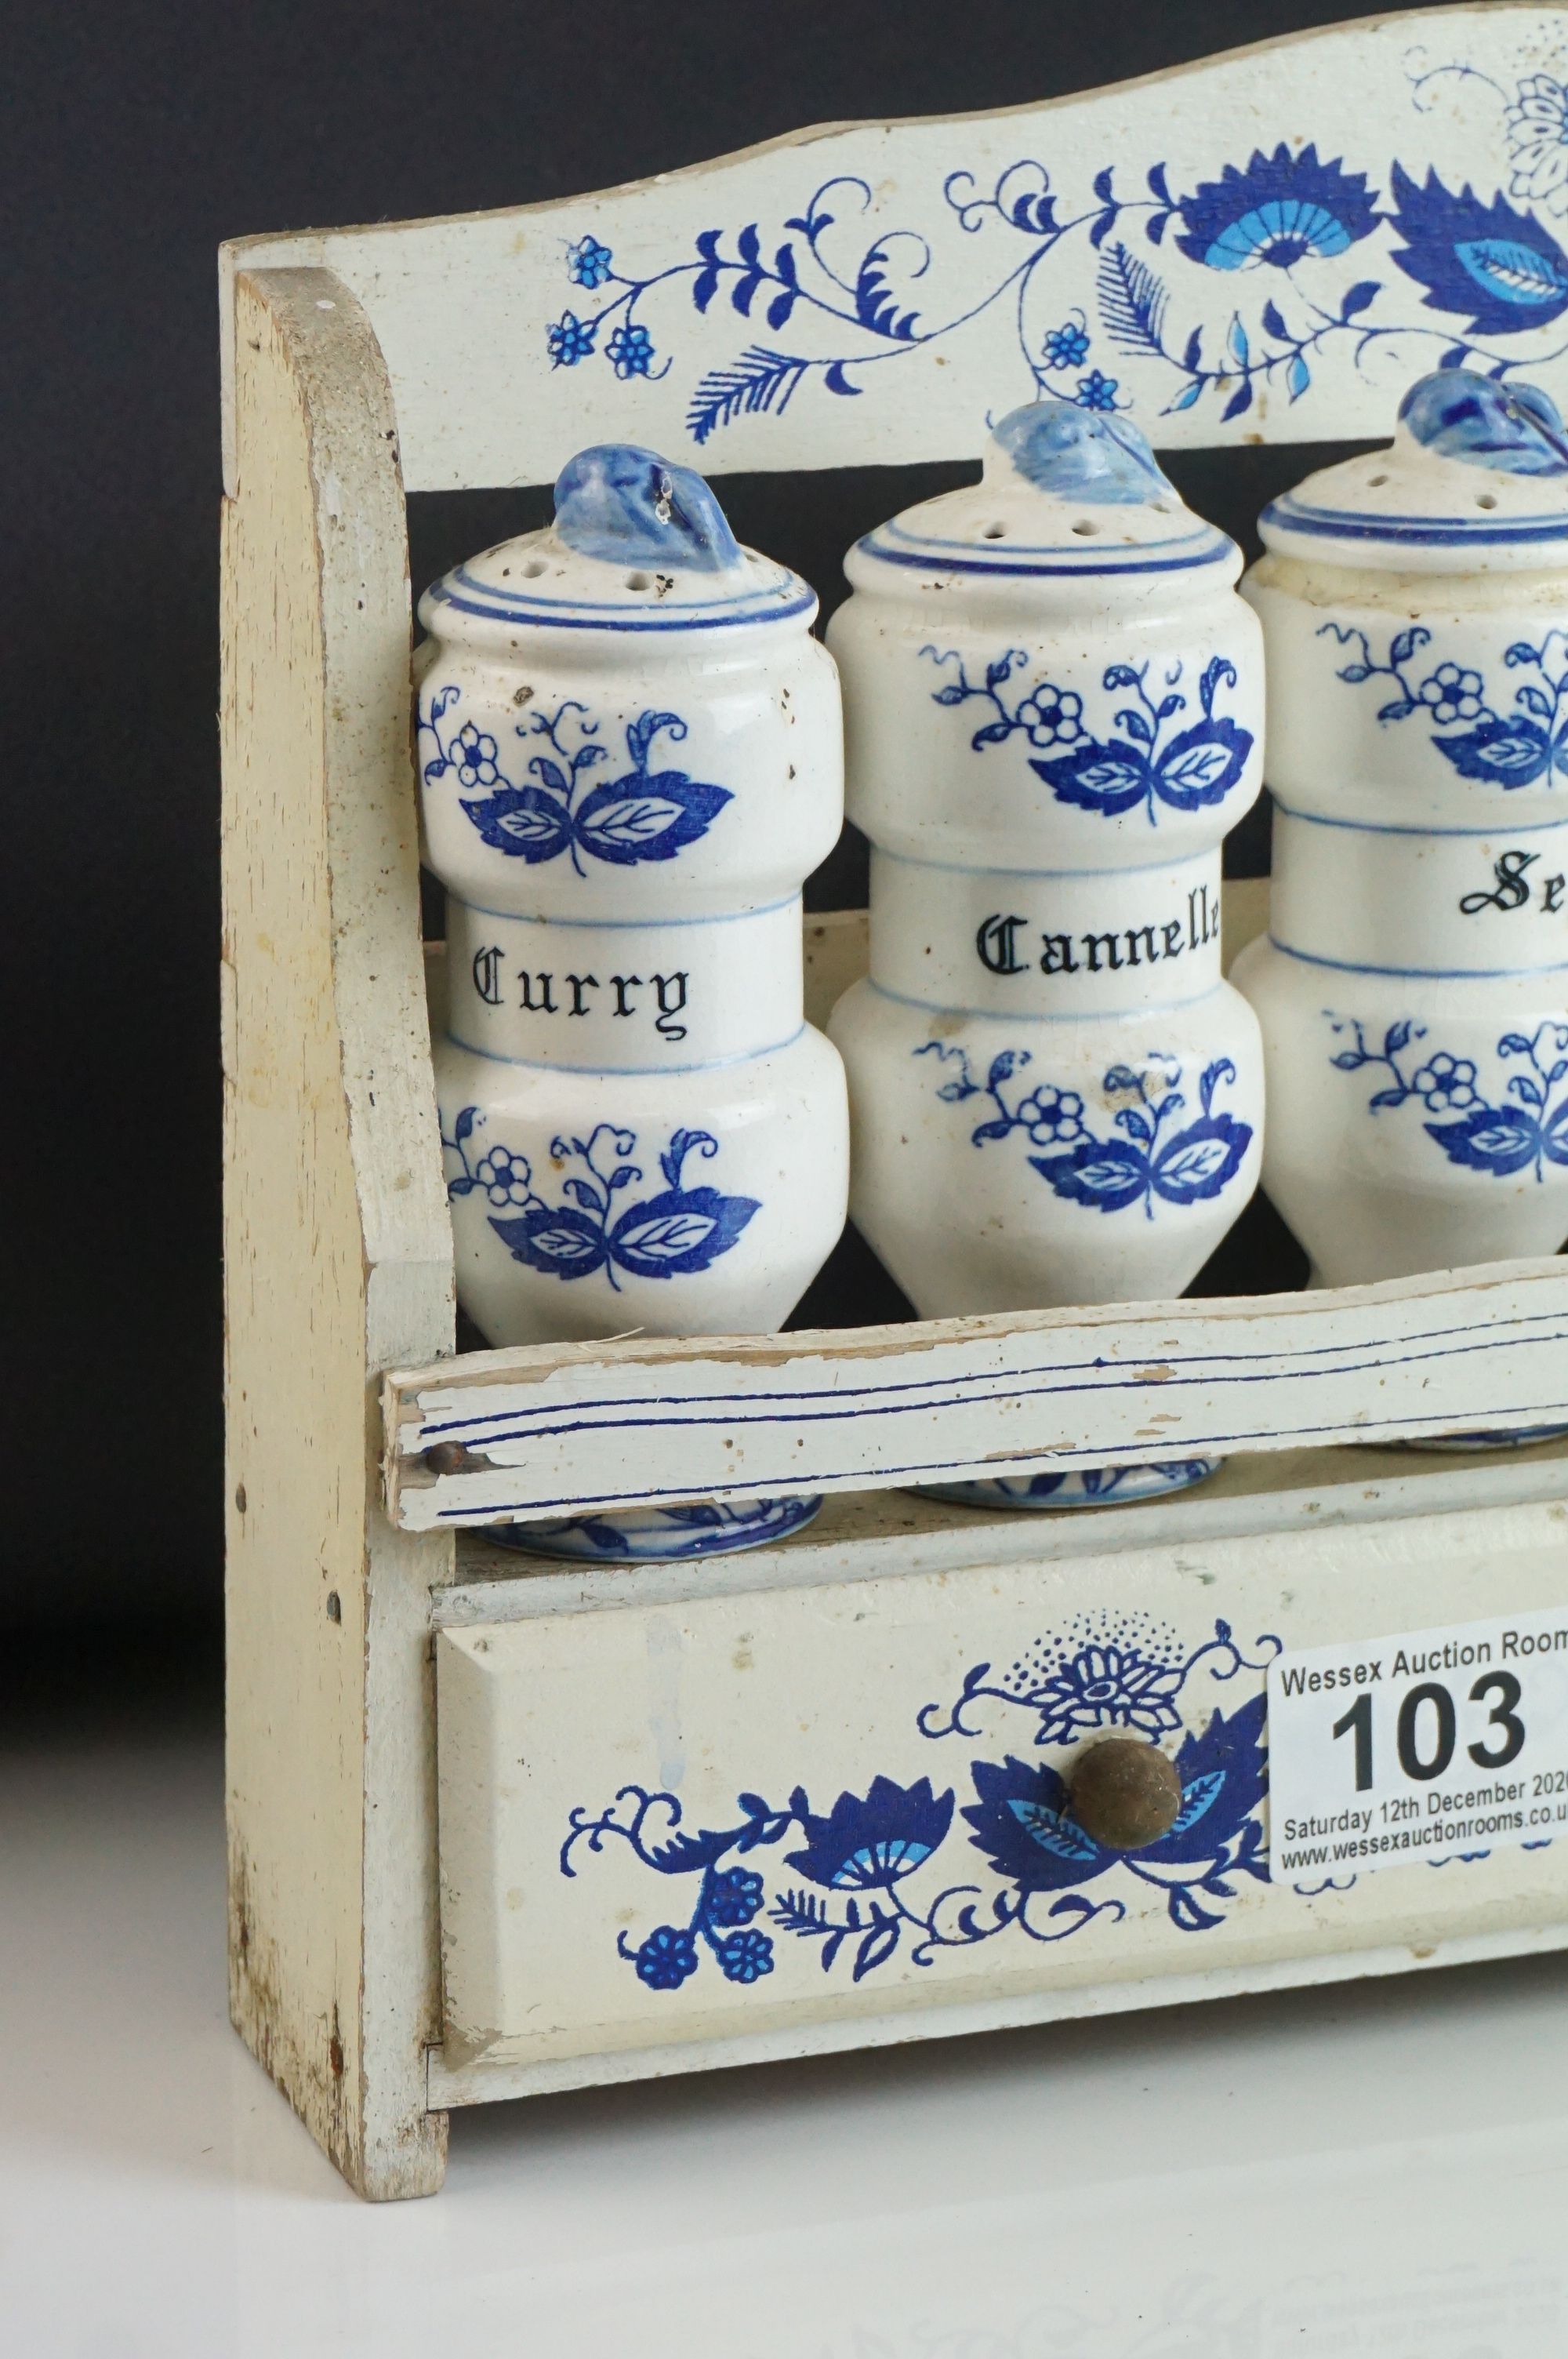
x,y
557,1428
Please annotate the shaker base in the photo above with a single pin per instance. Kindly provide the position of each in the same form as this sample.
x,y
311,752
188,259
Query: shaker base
x,y
1488,1437
661,1535
1090,1486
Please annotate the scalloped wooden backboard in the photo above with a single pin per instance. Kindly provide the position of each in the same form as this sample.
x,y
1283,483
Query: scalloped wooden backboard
x,y
1267,245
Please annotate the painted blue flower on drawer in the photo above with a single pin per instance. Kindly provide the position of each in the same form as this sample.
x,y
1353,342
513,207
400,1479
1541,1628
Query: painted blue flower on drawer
x,y
675,1233
1216,285
871,1878
644,814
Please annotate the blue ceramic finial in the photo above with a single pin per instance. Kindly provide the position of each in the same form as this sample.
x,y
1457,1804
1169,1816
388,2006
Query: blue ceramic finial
x,y
1515,428
631,507
1082,455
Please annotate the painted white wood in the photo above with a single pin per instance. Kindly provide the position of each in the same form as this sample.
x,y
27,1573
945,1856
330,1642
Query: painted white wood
x,y
485,2081
558,1426
433,336
864,1535
337,1251
937,1676
981,226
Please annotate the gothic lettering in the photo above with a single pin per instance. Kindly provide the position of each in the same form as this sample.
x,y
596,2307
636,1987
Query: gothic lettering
x,y
670,992
1510,890
995,943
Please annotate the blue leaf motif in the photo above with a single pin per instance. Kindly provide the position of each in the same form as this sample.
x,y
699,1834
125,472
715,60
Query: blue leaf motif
x,y
647,816
1202,765
1097,777
679,1232
524,822
1200,1159
1513,752
1498,1140
1052,1832
1107,1173
564,1242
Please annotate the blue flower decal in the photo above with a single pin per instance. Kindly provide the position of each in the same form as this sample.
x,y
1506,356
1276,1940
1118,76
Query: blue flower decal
x,y
644,814
676,1232
666,1958
587,262
570,339
871,1844
745,1957
1067,346
866,1897
734,1897
1023,1823
630,350
1095,391
1148,757
1019,1823
1524,1128
1538,142
1281,210
1519,748
1496,266
1157,1156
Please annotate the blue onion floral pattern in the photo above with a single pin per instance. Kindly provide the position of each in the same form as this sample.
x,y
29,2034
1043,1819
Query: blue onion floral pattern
x,y
644,814
1147,756
1157,1156
827,294
869,1878
675,1233
1519,1125
1520,746
1284,208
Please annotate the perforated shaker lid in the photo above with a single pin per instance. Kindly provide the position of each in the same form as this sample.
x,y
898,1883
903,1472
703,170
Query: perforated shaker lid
x,y
1476,480
1065,492
637,544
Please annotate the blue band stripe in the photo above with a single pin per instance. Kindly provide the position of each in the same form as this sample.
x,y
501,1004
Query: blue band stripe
x,y
1421,973
629,1073
577,618
934,562
1386,827
1438,532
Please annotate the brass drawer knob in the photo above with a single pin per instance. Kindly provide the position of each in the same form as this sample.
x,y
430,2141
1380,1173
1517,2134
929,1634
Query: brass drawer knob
x,y
1124,1794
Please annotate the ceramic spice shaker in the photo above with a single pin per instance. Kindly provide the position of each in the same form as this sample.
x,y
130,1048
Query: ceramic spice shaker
x,y
1053,713
1413,990
631,757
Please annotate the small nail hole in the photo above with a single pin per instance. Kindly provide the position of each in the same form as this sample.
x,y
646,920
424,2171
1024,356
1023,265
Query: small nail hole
x,y
1374,482
1084,527
1486,499
639,581
535,567
995,532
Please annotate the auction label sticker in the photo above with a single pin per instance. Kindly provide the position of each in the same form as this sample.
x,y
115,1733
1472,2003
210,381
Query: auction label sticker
x,y
1418,1747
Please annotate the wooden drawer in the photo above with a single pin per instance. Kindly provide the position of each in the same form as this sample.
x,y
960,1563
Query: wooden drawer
x,y
796,1801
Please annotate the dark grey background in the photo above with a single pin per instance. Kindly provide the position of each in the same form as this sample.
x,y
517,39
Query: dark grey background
x,y
135,136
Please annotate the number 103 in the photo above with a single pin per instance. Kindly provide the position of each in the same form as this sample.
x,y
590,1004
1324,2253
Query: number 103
x,y
1427,1730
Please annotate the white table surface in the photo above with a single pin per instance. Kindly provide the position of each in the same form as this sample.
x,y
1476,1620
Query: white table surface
x,y
1375,2171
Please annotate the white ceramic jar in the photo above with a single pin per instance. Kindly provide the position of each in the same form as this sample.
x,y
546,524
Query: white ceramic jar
x,y
1054,714
631,757
1414,988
